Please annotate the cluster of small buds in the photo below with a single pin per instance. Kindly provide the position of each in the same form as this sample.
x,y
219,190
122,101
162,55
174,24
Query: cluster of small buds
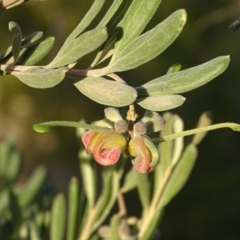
x,y
106,147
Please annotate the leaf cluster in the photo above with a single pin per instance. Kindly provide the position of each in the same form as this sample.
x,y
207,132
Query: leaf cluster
x,y
118,38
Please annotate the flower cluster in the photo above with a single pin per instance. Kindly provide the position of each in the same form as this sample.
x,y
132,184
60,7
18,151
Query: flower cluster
x,y
106,147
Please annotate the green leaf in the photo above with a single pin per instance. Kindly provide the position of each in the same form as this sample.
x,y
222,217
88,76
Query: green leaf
x,y
44,127
34,231
135,20
149,45
111,180
88,177
35,52
38,77
31,39
185,80
178,142
14,165
153,226
80,47
204,120
6,149
112,93
58,218
179,175
73,202
130,181
17,39
165,150
15,212
32,187
88,18
6,52
114,227
143,187
175,68
113,13
161,103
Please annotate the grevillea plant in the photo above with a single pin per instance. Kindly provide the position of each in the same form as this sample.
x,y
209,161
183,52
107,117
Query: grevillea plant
x,y
120,45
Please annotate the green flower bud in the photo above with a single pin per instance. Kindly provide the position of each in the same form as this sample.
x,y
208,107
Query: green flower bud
x,y
112,114
154,121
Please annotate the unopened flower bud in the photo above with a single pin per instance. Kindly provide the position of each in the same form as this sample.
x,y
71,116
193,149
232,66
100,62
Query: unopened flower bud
x,y
112,114
154,121
139,128
121,126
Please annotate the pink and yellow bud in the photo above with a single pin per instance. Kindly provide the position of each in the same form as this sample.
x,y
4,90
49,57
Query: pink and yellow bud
x,y
144,154
106,147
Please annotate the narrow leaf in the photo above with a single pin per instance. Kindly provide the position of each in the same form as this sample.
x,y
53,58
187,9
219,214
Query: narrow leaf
x,y
31,39
80,47
130,181
73,202
151,229
5,53
35,52
45,127
32,187
204,120
58,218
179,175
88,177
17,39
6,148
114,227
143,187
108,197
135,20
107,92
88,18
165,151
149,45
112,13
161,103
15,211
34,231
185,80
14,165
38,77
178,142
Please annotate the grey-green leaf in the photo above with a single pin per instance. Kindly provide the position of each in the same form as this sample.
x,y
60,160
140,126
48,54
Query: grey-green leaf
x,y
38,77
161,103
80,47
31,39
130,181
58,218
32,187
17,39
112,13
185,80
112,93
149,45
88,18
73,202
134,21
36,52
179,175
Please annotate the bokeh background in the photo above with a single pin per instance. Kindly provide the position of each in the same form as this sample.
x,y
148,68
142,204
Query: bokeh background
x,y
209,205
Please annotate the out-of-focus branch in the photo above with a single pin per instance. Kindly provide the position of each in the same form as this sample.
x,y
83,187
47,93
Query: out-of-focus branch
x,y
218,16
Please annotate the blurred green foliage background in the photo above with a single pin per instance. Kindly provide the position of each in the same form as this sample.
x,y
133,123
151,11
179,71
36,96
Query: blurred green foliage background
x,y
209,205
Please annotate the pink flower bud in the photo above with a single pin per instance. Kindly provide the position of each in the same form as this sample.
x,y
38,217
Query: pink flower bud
x,y
106,147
